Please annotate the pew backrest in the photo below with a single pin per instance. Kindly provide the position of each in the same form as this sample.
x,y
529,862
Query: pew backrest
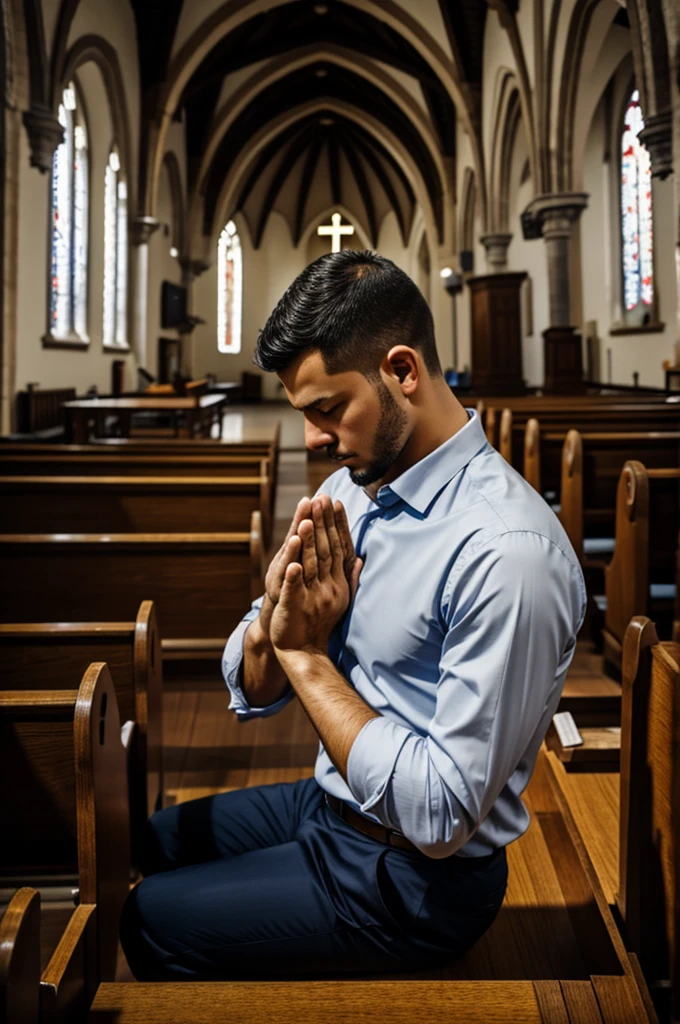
x,y
120,504
201,584
645,545
505,438
532,454
50,656
649,822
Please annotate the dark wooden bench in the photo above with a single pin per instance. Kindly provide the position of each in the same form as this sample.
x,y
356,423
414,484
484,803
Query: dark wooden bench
x,y
64,806
581,412
51,656
630,822
201,584
640,580
122,504
597,458
40,412
99,461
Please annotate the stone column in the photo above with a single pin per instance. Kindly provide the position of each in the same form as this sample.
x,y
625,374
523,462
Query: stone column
x,y
555,215
191,269
496,246
142,230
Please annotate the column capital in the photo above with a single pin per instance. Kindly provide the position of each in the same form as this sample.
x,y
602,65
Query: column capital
x,y
192,269
657,136
44,135
496,245
555,212
142,229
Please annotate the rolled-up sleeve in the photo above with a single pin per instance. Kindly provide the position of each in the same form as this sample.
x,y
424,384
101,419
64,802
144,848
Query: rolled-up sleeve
x,y
510,612
232,659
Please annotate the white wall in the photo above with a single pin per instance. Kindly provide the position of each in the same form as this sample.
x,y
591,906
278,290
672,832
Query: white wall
x,y
57,367
268,271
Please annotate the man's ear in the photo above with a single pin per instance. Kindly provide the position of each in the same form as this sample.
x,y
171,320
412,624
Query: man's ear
x,y
401,364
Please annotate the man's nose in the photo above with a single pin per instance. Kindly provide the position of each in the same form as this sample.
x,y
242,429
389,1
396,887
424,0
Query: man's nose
x,y
315,437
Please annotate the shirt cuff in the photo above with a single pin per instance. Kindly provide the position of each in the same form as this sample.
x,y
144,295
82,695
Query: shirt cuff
x,y
372,759
232,659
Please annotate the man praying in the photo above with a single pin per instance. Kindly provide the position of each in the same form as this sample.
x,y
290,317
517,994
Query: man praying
x,y
424,609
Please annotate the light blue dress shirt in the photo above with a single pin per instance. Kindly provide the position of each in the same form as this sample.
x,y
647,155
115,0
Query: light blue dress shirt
x,y
460,636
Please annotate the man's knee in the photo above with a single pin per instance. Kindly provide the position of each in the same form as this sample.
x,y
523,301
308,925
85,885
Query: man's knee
x,y
138,927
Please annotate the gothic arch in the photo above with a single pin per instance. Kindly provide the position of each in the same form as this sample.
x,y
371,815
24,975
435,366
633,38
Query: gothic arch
x,y
467,212
67,13
99,51
171,164
508,20
508,115
234,12
394,146
283,66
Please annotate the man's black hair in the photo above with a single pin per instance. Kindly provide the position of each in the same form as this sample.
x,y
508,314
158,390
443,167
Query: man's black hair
x,y
353,306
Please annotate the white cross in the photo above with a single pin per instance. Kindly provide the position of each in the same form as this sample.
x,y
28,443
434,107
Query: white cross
x,y
335,231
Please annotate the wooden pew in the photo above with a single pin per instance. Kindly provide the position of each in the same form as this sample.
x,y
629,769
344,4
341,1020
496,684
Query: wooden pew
x,y
105,460
647,514
201,584
121,504
20,959
65,813
591,465
50,656
604,454
582,412
630,822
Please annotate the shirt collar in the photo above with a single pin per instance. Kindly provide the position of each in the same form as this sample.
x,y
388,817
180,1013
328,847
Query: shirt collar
x,y
421,483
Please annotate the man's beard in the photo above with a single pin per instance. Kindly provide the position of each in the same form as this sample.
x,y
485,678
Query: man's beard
x,y
388,444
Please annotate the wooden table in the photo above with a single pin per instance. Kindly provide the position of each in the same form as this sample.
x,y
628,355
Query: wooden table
x,y
199,412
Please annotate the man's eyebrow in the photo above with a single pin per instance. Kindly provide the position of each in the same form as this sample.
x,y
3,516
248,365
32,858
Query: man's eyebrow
x,y
313,405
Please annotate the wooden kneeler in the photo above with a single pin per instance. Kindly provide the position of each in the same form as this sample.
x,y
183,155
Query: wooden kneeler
x,y
65,809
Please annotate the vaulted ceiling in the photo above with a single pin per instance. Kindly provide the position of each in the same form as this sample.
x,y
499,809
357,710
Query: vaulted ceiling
x,y
336,140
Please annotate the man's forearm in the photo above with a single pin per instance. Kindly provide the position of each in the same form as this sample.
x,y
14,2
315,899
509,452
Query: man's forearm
x,y
337,712
263,680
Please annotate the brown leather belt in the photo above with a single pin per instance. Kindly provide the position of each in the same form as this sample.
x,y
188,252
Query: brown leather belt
x,y
368,827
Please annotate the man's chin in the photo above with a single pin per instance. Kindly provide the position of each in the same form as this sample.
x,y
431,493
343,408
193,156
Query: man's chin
x,y
365,477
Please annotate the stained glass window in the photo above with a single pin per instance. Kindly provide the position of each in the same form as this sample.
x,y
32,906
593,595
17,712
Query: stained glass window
x,y
636,213
229,290
69,218
115,253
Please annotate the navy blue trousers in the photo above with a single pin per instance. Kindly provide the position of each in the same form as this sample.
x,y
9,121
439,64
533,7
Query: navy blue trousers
x,y
270,883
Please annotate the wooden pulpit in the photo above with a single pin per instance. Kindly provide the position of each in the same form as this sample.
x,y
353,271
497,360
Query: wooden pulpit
x,y
496,334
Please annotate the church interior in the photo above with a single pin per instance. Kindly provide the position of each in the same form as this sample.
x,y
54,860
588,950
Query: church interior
x,y
167,169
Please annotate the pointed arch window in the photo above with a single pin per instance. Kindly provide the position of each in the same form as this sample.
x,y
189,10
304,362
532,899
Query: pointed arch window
x,y
637,237
69,224
115,253
229,290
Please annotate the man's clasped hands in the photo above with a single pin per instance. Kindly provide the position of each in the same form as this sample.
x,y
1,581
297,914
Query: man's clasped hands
x,y
312,579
